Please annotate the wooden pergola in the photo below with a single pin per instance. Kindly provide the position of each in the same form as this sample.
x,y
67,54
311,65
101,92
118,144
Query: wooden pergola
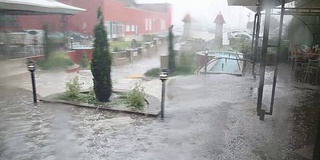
x,y
37,7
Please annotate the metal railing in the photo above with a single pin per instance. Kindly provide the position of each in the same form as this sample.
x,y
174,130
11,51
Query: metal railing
x,y
226,58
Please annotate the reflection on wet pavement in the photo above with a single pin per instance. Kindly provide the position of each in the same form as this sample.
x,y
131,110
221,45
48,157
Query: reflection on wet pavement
x,y
63,132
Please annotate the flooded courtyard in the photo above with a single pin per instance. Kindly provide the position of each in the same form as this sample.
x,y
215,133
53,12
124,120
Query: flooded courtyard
x,y
207,117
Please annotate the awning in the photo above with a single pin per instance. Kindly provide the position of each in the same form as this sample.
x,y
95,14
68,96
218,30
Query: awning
x,y
251,4
20,7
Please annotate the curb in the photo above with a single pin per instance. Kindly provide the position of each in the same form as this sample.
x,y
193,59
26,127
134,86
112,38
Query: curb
x,y
50,99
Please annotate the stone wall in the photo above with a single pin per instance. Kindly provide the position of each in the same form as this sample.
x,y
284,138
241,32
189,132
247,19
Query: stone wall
x,y
123,57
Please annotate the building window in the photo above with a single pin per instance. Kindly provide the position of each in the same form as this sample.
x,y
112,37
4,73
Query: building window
x,y
147,24
132,28
150,24
128,28
115,29
163,24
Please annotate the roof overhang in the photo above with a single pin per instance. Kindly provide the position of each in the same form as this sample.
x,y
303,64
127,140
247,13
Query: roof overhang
x,y
21,7
252,4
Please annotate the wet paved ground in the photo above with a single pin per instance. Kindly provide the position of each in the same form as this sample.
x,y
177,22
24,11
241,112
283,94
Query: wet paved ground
x,y
207,117
49,82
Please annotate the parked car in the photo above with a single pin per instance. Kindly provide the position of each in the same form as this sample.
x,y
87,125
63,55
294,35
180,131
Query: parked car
x,y
243,36
162,34
233,33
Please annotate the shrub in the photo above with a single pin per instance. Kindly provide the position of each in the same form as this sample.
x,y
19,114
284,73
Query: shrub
x,y
84,61
187,64
73,89
172,61
136,97
116,49
55,61
154,72
89,98
101,62
73,93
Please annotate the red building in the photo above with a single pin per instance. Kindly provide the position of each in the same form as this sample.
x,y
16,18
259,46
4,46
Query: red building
x,y
123,18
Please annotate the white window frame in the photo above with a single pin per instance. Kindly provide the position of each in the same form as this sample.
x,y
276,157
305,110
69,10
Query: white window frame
x,y
147,24
150,24
127,28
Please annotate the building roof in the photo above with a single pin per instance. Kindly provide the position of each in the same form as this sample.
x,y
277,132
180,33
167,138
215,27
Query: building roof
x,y
23,7
219,19
252,4
156,7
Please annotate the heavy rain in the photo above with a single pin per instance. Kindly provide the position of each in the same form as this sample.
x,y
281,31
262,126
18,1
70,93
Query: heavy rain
x,y
159,79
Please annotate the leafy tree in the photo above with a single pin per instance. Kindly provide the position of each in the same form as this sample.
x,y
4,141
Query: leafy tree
x,y
172,63
46,42
84,60
101,62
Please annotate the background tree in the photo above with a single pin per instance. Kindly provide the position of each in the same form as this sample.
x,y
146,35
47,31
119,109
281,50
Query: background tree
x,y
84,63
46,42
172,62
101,62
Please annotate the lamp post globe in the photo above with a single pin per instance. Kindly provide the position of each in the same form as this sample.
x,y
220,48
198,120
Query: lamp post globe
x,y
31,66
164,74
32,69
71,42
163,77
206,52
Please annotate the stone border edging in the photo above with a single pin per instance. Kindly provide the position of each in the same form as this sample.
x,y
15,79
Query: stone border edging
x,y
51,99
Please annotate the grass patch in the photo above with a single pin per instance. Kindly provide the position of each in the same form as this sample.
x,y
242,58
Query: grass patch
x,y
134,99
57,60
154,72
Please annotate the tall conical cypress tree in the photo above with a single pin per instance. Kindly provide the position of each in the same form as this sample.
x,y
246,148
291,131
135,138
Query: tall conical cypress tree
x,y
172,62
101,62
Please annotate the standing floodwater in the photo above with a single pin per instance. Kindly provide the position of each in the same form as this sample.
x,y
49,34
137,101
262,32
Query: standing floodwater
x,y
218,122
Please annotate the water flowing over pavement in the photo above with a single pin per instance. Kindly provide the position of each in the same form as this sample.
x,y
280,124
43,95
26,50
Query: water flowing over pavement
x,y
49,82
207,117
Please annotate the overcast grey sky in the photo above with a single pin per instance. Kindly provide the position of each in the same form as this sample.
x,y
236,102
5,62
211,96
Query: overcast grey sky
x,y
205,11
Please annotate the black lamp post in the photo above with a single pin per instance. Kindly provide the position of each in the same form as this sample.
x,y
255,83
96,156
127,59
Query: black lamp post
x,y
71,42
32,69
206,54
163,77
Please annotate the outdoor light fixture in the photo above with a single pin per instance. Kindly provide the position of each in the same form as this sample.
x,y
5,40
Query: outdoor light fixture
x,y
163,77
206,54
71,42
32,69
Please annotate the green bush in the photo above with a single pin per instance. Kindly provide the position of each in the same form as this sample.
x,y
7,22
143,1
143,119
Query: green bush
x,y
89,98
187,64
172,60
154,72
55,61
101,62
73,93
116,49
73,89
136,97
84,61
